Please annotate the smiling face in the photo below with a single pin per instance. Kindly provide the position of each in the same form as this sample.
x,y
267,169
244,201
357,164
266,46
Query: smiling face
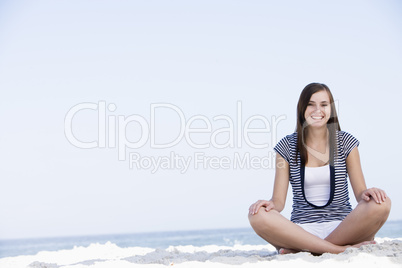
x,y
318,110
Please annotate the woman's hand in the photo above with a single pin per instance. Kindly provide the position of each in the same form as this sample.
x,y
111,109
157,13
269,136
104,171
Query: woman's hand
x,y
378,195
261,203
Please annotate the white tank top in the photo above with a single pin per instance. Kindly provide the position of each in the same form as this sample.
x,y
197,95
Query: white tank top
x,y
317,185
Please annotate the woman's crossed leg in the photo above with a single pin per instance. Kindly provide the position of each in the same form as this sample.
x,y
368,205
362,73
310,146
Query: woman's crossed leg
x,y
355,230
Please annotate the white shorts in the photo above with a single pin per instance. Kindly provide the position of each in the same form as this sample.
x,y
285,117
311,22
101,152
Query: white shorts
x,y
322,229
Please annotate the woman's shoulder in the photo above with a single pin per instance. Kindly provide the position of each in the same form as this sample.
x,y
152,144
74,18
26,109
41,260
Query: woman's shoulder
x,y
289,139
347,142
343,135
286,147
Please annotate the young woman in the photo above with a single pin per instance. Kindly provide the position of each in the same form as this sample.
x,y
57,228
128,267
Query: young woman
x,y
317,160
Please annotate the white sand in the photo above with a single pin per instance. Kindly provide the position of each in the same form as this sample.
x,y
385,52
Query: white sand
x,y
386,253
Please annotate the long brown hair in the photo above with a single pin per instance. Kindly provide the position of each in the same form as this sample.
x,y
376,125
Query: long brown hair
x,y
301,126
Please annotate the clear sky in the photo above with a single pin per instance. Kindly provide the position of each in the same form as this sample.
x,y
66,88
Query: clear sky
x,y
125,78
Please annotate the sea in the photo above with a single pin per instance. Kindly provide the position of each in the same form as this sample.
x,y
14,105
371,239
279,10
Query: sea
x,y
156,240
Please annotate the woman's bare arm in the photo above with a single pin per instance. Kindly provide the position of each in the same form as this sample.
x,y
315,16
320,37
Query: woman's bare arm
x,y
357,181
281,184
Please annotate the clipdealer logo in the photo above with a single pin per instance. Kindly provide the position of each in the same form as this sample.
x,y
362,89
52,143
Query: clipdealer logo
x,y
113,133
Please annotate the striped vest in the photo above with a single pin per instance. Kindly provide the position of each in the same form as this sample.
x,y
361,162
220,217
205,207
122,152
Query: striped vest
x,y
338,206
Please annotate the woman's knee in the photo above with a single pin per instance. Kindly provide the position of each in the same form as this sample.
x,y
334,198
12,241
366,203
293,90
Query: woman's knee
x,y
387,206
381,210
255,218
261,219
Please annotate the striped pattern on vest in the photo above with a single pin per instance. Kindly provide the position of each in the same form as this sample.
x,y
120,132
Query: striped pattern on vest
x,y
338,206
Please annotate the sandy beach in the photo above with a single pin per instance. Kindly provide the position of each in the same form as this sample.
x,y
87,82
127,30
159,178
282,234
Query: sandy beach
x,y
386,253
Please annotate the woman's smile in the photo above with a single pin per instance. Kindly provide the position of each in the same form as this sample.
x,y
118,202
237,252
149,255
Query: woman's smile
x,y
315,117
318,109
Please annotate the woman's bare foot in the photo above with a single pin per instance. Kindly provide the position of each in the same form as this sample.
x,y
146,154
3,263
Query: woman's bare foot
x,y
283,251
